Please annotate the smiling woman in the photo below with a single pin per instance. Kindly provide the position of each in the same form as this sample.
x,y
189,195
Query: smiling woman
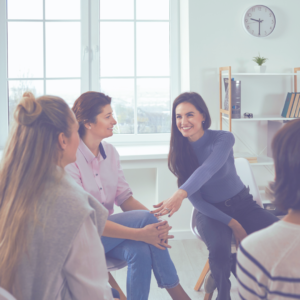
x,y
202,160
135,235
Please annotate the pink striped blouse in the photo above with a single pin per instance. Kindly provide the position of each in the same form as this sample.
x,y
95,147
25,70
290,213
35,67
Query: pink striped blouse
x,y
101,176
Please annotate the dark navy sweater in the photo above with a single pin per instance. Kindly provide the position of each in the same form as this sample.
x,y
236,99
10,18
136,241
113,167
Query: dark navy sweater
x,y
215,180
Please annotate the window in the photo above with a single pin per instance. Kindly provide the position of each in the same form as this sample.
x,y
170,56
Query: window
x,y
118,47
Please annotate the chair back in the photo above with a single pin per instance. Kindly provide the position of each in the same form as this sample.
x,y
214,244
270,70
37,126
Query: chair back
x,y
5,295
245,173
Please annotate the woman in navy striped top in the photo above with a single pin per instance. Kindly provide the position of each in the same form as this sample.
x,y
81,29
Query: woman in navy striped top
x,y
203,162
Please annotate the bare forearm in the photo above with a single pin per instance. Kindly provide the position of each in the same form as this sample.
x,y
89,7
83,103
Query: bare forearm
x,y
132,204
115,230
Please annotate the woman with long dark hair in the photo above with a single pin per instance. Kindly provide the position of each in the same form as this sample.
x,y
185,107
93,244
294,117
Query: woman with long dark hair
x,y
203,162
134,234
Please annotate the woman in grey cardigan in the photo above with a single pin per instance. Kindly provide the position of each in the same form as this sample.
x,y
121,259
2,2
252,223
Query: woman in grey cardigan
x,y
50,227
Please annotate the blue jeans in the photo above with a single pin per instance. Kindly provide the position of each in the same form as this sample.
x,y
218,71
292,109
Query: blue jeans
x,y
217,236
141,257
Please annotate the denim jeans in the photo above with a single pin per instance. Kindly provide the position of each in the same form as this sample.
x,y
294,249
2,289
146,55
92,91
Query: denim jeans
x,y
141,257
217,236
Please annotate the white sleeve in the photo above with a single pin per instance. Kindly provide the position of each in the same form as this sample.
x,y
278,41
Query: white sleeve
x,y
85,267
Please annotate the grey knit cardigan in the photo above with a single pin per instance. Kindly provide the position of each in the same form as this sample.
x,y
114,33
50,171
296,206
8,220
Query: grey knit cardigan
x,y
64,206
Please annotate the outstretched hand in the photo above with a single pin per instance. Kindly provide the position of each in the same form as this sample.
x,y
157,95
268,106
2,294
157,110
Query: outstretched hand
x,y
171,205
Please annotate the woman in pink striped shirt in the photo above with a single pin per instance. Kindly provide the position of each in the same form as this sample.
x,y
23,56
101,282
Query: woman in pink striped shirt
x,y
133,235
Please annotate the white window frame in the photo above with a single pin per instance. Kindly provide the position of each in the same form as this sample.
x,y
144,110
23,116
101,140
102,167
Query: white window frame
x,y
90,67
121,139
3,76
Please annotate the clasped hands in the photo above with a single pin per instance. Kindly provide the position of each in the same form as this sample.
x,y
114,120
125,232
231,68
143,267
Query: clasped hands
x,y
157,234
170,206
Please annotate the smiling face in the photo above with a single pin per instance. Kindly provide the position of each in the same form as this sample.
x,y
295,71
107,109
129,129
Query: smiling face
x,y
189,121
105,122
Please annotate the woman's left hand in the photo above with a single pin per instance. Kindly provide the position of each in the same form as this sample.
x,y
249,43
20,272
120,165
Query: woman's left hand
x,y
171,205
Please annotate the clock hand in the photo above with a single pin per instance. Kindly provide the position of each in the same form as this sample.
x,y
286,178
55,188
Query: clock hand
x,y
259,27
254,20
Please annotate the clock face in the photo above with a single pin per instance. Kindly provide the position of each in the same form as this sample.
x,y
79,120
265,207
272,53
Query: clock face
x,y
259,21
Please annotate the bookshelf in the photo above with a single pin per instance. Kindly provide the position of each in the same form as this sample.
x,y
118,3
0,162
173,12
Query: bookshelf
x,y
254,159
226,72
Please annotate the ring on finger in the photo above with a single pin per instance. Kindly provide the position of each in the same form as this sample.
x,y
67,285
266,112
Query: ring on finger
x,y
168,209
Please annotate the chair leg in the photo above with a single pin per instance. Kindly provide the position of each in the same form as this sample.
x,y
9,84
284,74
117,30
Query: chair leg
x,y
201,278
208,296
115,286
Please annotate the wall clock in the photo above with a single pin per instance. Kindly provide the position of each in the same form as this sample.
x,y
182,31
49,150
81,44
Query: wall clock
x,y
259,21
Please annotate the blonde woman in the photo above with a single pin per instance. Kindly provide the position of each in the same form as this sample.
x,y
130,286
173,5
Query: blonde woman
x,y
50,228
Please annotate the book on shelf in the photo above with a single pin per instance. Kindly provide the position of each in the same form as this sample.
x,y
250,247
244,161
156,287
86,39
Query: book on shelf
x,y
250,157
235,98
295,105
298,106
290,105
286,105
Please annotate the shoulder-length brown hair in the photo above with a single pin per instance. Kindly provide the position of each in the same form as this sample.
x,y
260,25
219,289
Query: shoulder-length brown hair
x,y
29,160
87,107
182,160
286,154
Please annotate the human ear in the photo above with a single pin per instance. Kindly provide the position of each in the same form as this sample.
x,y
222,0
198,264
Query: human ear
x,y
62,141
87,125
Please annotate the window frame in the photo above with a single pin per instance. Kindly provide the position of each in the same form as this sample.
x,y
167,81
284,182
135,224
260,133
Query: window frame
x,y
90,66
174,51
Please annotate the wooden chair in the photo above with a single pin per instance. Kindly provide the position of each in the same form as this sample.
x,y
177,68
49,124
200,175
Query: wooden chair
x,y
114,264
244,171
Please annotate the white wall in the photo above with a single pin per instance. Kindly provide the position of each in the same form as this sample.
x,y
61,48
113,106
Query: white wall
x,y
217,38
152,182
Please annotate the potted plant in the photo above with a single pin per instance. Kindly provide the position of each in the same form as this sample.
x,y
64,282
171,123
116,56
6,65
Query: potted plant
x,y
260,61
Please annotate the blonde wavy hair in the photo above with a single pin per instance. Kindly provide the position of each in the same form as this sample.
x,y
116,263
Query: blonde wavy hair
x,y
29,159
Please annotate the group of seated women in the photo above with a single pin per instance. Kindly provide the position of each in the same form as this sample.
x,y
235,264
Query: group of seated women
x,y
59,182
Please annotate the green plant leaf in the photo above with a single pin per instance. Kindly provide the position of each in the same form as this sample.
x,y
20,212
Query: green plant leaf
x,y
259,59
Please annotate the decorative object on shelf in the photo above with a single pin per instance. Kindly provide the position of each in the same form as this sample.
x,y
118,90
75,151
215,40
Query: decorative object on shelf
x,y
259,21
248,115
235,98
291,108
259,68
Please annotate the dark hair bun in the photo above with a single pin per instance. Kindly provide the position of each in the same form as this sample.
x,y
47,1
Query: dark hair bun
x,y
28,109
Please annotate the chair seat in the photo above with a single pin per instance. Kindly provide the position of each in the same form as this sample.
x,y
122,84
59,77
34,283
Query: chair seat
x,y
114,264
196,233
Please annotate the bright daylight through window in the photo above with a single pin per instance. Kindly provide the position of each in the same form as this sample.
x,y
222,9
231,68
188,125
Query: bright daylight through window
x,y
118,47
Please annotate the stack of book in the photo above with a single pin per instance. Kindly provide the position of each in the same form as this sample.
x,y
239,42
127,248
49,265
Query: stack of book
x,y
291,108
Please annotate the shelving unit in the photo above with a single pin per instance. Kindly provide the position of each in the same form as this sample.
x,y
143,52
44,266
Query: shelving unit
x,y
229,74
262,160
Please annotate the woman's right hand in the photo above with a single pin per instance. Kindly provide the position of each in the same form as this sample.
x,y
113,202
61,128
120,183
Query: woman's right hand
x,y
156,234
238,231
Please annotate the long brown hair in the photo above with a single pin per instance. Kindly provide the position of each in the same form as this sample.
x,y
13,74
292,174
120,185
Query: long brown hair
x,y
182,160
87,107
29,158
286,155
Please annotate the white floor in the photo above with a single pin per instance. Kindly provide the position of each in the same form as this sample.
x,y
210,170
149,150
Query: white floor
x,y
189,257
